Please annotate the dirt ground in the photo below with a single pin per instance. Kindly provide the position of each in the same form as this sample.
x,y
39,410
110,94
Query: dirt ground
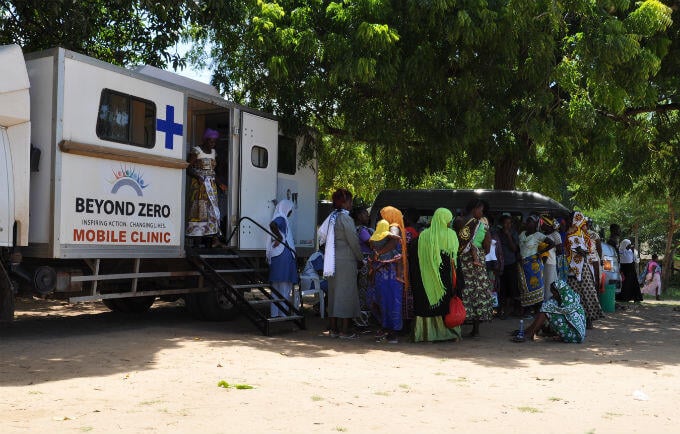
x,y
80,368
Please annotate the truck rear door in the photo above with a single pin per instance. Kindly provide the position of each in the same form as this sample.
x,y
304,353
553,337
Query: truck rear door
x,y
6,191
259,154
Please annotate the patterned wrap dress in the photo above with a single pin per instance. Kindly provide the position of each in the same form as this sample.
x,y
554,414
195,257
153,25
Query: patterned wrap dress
x,y
476,295
204,213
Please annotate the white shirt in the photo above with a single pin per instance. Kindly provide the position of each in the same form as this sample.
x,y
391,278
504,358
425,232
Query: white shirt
x,y
557,239
528,244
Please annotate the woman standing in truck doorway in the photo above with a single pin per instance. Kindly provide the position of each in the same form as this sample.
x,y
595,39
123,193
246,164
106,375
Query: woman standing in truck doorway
x,y
204,213
281,254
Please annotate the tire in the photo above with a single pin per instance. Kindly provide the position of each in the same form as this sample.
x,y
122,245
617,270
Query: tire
x,y
129,304
217,307
193,306
210,306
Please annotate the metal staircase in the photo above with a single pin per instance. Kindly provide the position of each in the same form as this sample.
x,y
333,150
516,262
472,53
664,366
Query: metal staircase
x,y
244,282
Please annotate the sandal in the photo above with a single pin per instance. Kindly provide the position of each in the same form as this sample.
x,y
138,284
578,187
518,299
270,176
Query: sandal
x,y
351,336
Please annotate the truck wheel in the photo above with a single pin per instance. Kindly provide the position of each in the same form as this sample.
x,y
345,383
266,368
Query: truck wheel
x,y
216,307
129,304
193,306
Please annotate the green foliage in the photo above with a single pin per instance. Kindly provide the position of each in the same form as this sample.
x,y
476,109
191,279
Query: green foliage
x,y
509,86
122,32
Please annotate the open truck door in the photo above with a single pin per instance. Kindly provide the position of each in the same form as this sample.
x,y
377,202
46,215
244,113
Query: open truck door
x,y
259,154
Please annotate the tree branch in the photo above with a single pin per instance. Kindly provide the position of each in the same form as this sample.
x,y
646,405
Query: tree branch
x,y
659,108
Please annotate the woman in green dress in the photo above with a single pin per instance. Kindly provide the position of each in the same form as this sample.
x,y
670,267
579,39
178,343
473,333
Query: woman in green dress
x,y
432,278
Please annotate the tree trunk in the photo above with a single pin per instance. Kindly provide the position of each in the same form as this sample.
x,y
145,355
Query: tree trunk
x,y
673,226
505,174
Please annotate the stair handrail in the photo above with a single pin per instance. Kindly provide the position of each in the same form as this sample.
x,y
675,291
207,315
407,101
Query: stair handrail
x,y
279,239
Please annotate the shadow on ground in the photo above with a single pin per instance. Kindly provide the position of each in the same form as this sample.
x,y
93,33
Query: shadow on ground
x,y
86,340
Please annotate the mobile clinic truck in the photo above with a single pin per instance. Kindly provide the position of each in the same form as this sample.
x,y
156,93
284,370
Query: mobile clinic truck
x,y
93,186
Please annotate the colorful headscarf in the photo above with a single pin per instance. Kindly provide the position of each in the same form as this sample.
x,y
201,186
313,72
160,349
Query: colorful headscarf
x,y
382,230
395,218
210,134
432,242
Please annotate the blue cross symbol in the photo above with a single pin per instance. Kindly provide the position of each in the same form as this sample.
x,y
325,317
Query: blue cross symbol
x,y
168,126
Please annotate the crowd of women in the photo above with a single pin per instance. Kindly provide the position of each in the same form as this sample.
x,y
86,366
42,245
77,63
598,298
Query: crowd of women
x,y
413,283
410,280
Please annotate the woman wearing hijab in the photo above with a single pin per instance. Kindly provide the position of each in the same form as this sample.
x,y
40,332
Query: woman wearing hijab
x,y
281,254
432,273
630,287
581,280
204,212
477,287
396,220
341,256
563,313
388,281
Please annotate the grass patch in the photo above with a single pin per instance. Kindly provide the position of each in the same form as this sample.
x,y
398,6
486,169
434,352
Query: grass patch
x,y
341,429
382,393
85,428
316,398
527,409
610,415
404,386
226,385
554,398
35,392
150,402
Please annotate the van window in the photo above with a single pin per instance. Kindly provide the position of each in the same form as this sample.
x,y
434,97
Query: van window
x,y
259,157
126,119
287,156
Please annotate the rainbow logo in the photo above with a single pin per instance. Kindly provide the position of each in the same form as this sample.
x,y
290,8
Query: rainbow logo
x,y
128,177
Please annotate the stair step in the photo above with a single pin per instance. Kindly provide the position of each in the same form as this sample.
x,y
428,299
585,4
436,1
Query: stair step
x,y
240,270
250,285
219,256
285,318
266,301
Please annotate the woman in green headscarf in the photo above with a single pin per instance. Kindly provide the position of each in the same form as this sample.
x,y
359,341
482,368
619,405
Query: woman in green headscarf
x,y
432,278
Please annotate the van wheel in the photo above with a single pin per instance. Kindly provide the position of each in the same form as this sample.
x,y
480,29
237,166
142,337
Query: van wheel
x,y
129,304
210,306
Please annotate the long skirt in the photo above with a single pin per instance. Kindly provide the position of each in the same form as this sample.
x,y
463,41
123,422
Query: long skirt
x,y
363,285
586,290
531,281
549,276
432,328
204,213
343,297
630,289
653,287
476,295
390,295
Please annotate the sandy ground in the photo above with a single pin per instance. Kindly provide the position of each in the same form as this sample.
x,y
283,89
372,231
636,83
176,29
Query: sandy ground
x,y
81,368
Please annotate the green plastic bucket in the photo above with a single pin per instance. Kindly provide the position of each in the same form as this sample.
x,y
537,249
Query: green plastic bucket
x,y
607,298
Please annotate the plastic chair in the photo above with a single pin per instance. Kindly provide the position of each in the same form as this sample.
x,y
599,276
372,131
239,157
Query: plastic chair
x,y
312,286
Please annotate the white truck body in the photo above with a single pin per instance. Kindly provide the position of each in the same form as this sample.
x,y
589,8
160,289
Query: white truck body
x,y
96,197
111,179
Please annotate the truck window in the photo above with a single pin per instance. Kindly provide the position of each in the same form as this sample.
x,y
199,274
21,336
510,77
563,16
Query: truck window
x,y
287,156
259,157
126,119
